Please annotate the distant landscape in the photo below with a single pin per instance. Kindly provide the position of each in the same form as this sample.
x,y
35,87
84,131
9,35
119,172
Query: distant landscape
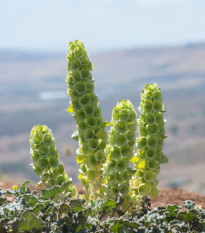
x,y
33,91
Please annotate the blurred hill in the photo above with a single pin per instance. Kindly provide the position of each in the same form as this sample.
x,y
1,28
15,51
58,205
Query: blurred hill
x,y
33,91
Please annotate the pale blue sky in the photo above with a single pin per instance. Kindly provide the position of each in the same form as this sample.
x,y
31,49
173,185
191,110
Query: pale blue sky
x,y
49,25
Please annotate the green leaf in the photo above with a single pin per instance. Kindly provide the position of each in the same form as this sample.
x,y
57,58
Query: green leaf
x,y
115,228
78,208
38,207
32,200
23,186
76,202
3,201
49,210
108,205
183,215
78,228
131,224
192,214
172,210
29,221
55,190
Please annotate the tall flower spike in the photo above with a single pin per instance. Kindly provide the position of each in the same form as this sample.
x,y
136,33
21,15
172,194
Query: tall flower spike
x,y
150,142
91,133
120,150
46,159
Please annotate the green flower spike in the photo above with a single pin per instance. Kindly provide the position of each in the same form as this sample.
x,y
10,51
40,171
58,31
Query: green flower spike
x,y
46,159
90,124
150,141
120,150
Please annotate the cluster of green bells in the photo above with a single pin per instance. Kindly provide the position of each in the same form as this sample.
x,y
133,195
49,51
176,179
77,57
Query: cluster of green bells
x,y
104,161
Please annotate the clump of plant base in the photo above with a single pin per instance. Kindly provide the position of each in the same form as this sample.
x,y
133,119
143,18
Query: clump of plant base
x,y
116,194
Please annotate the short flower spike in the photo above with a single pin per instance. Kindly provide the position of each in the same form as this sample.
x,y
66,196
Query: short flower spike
x,y
120,150
150,141
90,124
46,159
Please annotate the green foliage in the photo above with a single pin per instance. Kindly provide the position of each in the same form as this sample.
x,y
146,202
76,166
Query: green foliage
x,y
41,213
31,212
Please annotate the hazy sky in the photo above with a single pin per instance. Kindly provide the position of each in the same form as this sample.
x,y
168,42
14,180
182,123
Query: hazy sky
x,y
100,24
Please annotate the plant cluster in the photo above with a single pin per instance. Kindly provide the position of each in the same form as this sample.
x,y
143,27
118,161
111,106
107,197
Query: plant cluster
x,y
104,159
116,194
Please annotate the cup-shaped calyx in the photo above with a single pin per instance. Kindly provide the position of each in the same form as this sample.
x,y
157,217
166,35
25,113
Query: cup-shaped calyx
x,y
91,131
120,150
46,159
150,142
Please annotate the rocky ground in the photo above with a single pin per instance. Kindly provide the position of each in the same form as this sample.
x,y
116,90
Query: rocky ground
x,y
166,195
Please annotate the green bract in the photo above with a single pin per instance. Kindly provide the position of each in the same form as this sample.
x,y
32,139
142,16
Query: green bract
x,y
90,124
150,142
